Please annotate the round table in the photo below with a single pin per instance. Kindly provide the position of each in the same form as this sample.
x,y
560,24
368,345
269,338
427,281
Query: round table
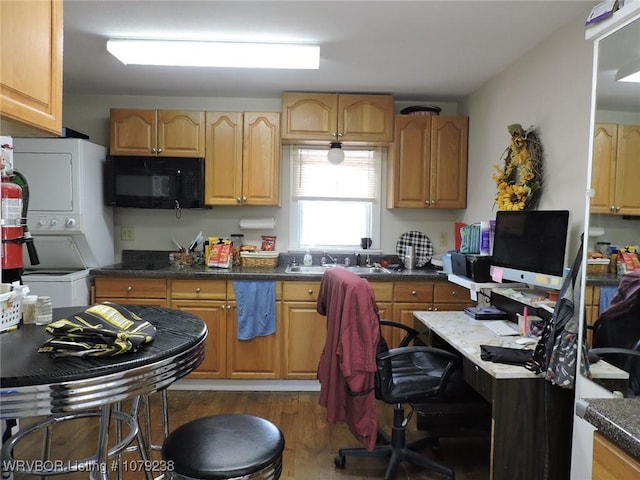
x,y
36,384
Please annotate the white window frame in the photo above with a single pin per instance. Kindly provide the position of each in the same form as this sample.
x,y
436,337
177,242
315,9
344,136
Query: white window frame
x,y
295,214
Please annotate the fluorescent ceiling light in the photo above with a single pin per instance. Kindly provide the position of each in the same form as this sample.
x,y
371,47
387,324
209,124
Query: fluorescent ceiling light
x,y
629,72
215,54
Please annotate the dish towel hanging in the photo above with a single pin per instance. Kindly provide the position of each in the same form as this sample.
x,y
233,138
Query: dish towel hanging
x,y
606,295
256,305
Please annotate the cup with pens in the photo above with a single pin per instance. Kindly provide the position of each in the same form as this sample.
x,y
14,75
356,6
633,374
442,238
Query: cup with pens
x,y
529,325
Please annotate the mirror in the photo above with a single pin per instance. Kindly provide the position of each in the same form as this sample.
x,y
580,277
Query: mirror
x,y
613,217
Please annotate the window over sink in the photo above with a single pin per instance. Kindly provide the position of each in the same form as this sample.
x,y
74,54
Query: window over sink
x,y
334,206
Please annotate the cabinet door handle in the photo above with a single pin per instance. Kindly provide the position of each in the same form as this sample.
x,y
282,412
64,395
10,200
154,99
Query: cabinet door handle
x,y
453,294
238,199
159,150
617,209
129,288
197,289
244,199
613,208
153,150
414,293
310,292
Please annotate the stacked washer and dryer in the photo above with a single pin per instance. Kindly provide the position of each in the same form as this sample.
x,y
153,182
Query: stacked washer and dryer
x,y
67,218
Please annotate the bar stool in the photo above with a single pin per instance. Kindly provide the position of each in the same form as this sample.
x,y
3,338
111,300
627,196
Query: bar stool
x,y
227,446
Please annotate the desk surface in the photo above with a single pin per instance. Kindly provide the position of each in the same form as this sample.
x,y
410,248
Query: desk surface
x,y
466,335
34,383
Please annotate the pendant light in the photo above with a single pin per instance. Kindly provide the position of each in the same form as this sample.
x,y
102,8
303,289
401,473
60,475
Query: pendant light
x,y
336,154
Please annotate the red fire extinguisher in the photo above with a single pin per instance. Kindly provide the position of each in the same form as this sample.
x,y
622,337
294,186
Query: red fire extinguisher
x,y
12,227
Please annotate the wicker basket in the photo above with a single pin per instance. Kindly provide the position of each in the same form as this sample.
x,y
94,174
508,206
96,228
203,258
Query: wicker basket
x,y
259,259
10,305
598,265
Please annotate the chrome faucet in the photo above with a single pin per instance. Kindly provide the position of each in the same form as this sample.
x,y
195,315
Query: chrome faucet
x,y
323,260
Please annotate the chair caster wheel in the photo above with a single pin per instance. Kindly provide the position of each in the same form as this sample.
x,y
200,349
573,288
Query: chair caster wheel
x,y
340,461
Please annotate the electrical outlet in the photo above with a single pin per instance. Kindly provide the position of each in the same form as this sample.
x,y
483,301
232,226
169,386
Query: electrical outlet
x,y
127,233
443,239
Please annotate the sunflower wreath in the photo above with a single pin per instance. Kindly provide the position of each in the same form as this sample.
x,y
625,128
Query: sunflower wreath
x,y
519,179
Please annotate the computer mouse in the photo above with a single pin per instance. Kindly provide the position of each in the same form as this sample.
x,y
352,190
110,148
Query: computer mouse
x,y
526,341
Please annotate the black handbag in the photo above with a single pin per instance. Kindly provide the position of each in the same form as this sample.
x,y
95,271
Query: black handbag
x,y
510,356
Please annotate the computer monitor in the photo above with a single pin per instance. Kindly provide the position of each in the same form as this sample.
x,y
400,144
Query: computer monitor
x,y
529,247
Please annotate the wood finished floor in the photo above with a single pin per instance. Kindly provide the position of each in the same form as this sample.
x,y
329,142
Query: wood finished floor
x,y
311,444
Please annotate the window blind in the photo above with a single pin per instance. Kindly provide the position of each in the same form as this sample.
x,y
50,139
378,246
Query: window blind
x,y
315,178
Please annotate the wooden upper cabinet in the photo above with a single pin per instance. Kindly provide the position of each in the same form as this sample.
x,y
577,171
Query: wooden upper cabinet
x,y
261,158
327,117
223,158
428,164
31,70
605,144
163,133
627,193
180,133
242,161
616,149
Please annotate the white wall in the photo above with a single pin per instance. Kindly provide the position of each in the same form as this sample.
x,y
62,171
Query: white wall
x,y
549,88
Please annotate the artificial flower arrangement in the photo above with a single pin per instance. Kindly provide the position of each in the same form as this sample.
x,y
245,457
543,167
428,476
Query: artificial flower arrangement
x,y
519,179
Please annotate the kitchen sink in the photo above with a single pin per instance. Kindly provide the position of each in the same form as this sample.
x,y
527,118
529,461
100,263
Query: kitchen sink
x,y
320,269
312,269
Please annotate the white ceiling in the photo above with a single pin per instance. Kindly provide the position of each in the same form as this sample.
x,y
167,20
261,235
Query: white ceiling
x,y
416,50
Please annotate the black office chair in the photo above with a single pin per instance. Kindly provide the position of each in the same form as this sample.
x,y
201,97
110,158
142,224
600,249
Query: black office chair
x,y
413,375
617,341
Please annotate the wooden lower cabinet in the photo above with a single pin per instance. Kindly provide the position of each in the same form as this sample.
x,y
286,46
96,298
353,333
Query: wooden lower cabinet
x,y
131,291
591,307
407,298
258,358
226,356
214,314
449,297
305,330
293,352
611,462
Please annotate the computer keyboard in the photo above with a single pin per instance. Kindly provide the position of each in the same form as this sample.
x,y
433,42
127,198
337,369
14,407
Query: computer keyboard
x,y
502,327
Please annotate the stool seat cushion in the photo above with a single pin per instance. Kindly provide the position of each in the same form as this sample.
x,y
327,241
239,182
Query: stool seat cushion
x,y
223,446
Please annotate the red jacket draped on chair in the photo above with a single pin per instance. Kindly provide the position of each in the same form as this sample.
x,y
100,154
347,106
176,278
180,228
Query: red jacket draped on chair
x,y
347,365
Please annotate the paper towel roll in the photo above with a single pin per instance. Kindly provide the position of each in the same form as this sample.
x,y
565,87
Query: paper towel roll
x,y
257,223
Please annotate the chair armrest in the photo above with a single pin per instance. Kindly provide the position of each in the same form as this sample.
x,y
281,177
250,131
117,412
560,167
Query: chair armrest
x,y
396,352
410,335
614,350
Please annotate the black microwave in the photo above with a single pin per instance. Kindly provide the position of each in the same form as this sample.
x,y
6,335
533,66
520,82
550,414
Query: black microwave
x,y
154,182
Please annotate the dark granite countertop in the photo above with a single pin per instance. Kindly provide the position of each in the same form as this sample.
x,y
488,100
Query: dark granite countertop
x,y
603,279
616,418
278,273
139,263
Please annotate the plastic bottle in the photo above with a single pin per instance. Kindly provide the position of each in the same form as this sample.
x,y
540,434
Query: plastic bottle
x,y
308,259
